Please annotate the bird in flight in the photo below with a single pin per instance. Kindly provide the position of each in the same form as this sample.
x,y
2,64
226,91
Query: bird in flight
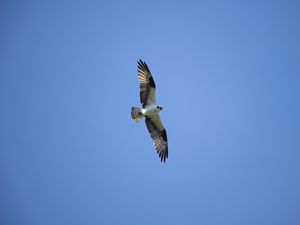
x,y
150,111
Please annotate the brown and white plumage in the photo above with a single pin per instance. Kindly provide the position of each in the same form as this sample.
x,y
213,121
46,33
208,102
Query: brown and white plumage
x,y
150,111
159,136
147,85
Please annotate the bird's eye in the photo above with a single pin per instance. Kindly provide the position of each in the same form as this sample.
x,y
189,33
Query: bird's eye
x,y
157,107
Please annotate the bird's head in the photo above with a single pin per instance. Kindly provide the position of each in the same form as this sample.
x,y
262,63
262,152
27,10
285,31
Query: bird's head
x,y
159,108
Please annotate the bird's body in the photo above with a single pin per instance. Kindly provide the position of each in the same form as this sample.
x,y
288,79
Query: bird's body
x,y
150,111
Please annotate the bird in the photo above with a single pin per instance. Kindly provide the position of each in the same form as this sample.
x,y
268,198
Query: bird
x,y
150,111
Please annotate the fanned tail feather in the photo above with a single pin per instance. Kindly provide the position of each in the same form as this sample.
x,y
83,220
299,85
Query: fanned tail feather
x,y
136,114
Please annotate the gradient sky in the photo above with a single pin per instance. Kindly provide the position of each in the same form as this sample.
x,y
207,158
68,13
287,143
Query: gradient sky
x,y
227,75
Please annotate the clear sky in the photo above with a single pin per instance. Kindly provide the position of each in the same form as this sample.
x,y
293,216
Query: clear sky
x,y
227,75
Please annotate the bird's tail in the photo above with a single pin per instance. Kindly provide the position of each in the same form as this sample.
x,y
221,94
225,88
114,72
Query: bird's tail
x,y
136,114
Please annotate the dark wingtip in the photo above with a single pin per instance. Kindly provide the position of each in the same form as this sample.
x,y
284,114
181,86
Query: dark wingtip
x,y
163,156
143,64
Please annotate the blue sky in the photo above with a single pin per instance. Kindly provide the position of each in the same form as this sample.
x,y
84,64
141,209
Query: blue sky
x,y
227,75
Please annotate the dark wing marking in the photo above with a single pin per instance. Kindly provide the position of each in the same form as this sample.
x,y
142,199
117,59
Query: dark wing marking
x,y
147,85
159,136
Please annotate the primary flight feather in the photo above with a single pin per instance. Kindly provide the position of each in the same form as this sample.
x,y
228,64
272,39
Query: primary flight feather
x,y
150,111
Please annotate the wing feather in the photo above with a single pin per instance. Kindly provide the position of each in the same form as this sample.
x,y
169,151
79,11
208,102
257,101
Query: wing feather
x,y
147,84
159,136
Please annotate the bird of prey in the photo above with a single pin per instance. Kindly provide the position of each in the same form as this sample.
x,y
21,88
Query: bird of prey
x,y
150,111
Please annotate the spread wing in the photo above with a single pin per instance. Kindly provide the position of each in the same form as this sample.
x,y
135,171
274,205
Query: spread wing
x,y
159,136
147,85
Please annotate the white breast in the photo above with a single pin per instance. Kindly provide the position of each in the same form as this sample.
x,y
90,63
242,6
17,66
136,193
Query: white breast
x,y
150,110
